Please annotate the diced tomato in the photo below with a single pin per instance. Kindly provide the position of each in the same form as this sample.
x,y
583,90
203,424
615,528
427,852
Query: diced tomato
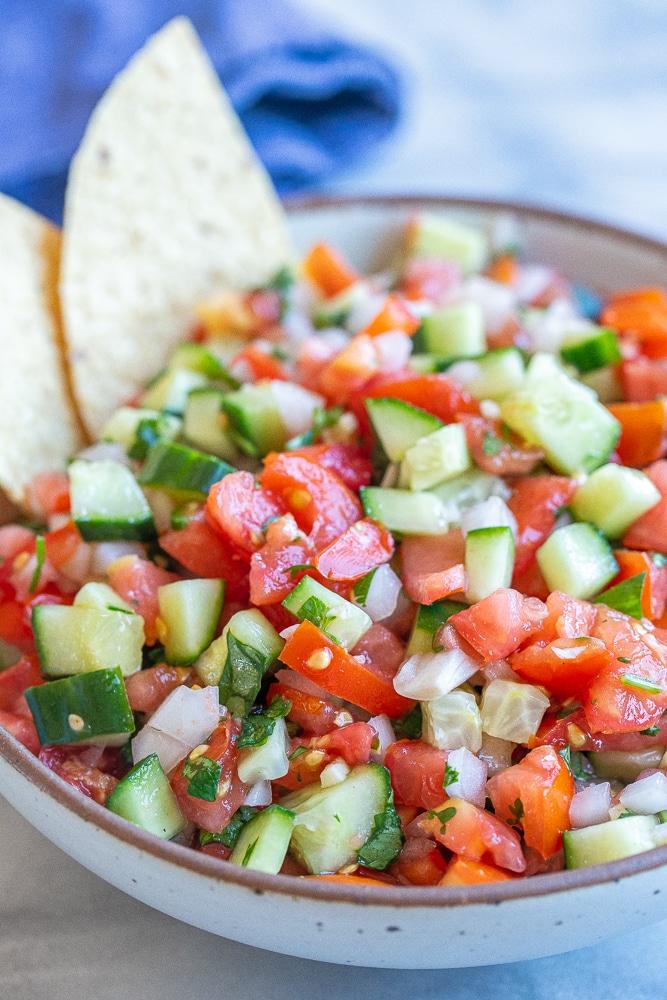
x,y
564,666
262,364
498,624
348,371
362,547
494,451
315,715
239,509
463,871
631,693
503,269
419,863
641,312
381,649
136,581
15,627
348,461
310,755
417,772
643,380
476,834
62,544
71,765
429,278
328,270
51,492
573,731
535,503
273,568
568,618
394,315
313,654
535,795
15,679
432,566
14,538
202,550
21,729
214,816
147,689
437,394
650,530
643,431
321,503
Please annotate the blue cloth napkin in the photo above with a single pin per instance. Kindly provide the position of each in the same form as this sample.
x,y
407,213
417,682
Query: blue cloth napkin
x,y
312,102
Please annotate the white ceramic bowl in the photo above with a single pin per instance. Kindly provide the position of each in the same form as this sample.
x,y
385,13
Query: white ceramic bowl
x,y
383,925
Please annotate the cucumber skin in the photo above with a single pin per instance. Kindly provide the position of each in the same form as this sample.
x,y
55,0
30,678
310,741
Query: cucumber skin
x,y
594,845
145,798
53,704
273,829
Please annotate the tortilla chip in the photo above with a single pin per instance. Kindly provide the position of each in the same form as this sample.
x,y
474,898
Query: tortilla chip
x,y
38,426
166,204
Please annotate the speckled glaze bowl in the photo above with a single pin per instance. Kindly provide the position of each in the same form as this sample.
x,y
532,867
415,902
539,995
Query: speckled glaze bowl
x,y
383,925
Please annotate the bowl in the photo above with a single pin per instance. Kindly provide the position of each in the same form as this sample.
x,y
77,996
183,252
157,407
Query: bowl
x,y
381,926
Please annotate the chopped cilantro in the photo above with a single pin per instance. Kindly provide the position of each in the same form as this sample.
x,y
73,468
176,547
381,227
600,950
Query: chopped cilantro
x,y
623,659
491,444
257,728
385,841
625,596
40,552
297,752
651,731
573,760
517,813
203,777
250,850
230,834
241,676
451,776
361,588
444,816
640,683
409,727
299,568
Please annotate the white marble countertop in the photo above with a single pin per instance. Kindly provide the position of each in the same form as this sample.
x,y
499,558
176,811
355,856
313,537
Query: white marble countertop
x,y
562,104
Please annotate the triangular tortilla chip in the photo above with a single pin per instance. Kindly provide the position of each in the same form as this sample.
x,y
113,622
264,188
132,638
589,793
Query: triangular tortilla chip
x,y
166,204
38,426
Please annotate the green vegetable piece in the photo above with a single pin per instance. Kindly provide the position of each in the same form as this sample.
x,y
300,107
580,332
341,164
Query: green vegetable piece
x,y
625,596
385,842
203,777
257,728
86,708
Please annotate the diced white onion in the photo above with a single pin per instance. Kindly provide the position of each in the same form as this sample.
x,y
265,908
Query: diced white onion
x,y
496,753
511,710
334,773
463,372
491,513
591,805
288,632
496,669
297,325
498,301
259,795
189,715
79,567
383,591
365,307
169,749
394,348
532,279
385,733
452,721
647,795
296,405
548,328
470,783
429,675
101,451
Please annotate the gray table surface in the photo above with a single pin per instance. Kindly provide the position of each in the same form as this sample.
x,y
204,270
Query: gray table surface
x,y
563,104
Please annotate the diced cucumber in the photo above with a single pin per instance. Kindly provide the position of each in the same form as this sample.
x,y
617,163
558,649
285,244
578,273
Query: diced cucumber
x,y
170,390
335,310
619,838
239,658
404,511
333,824
121,427
190,611
145,797
205,424
591,349
254,419
625,765
578,560
497,373
613,497
425,364
264,840
433,235
605,383
399,425
471,487
562,416
181,471
433,459
86,708
489,561
340,619
198,358
107,502
430,619
267,761
76,639
101,595
456,331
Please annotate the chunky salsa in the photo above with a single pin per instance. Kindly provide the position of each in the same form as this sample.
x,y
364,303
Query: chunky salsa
x,y
370,582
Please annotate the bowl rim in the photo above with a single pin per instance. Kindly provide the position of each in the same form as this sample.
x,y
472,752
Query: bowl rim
x,y
383,895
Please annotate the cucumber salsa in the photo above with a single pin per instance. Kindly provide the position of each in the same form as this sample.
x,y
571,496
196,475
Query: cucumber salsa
x,y
370,583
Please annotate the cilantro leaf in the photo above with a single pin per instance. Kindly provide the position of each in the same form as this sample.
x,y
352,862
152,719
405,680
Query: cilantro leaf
x,y
651,731
491,445
385,841
451,776
361,588
444,815
625,596
517,813
315,610
409,727
241,676
573,760
257,728
231,833
203,777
